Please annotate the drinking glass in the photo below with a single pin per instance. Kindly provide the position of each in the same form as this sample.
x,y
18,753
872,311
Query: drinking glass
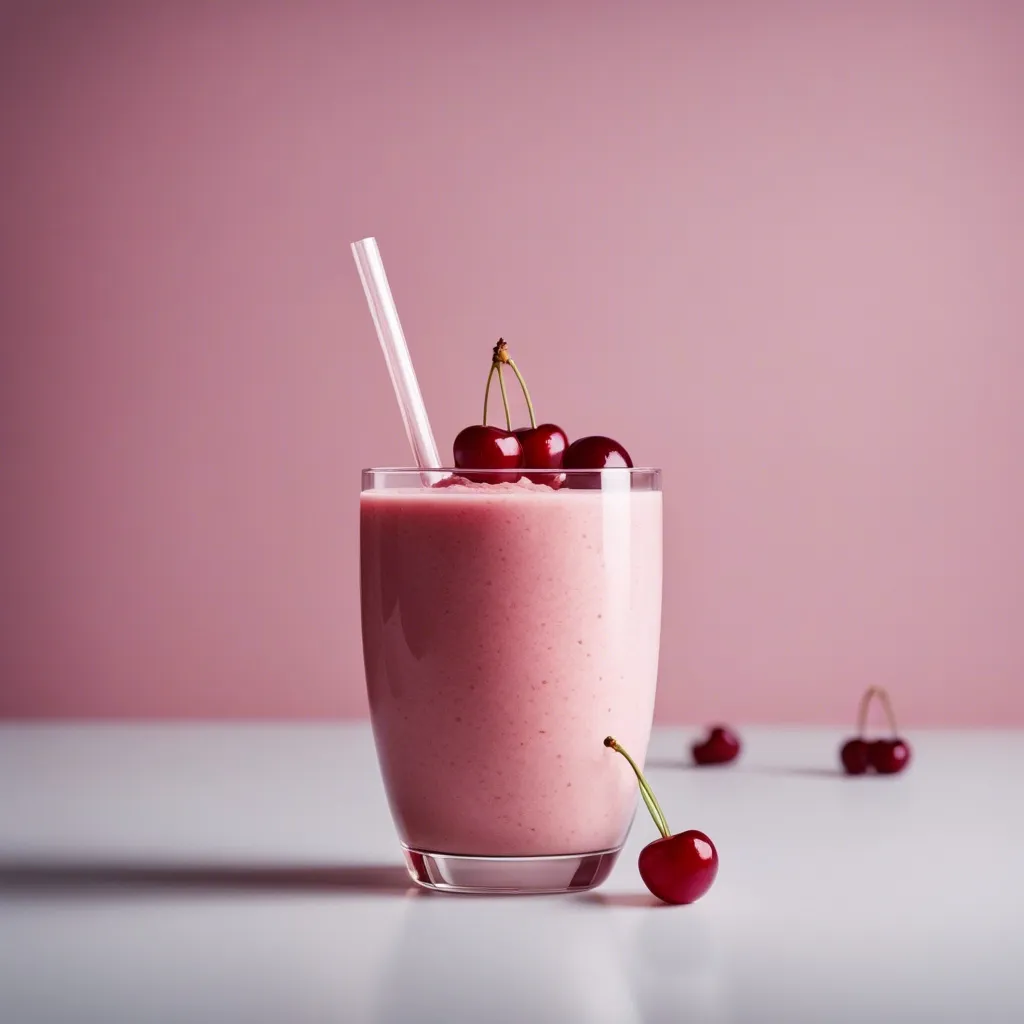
x,y
508,627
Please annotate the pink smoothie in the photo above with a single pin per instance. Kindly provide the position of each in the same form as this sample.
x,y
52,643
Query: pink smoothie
x,y
507,629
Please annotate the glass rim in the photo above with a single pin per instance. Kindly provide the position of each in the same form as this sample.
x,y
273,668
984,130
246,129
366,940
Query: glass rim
x,y
462,471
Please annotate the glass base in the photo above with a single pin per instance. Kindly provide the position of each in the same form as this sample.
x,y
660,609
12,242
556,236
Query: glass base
x,y
509,876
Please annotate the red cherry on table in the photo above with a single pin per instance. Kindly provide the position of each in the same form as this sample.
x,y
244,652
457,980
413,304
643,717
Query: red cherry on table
x,y
543,448
676,868
679,868
480,447
596,452
889,757
721,746
855,756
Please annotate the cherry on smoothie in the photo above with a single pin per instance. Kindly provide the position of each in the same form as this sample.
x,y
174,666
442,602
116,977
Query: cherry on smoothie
x,y
596,452
720,746
887,756
533,447
676,868
483,447
543,447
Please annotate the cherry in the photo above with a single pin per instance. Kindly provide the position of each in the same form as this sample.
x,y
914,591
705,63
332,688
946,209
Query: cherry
x,y
676,868
721,746
483,447
889,757
543,448
596,453
679,868
886,756
855,757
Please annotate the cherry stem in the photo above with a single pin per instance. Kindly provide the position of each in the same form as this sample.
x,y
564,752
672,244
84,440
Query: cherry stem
x,y
487,390
504,399
865,704
645,790
526,392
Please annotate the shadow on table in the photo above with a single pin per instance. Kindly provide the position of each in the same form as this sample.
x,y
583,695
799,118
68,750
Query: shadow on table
x,y
753,769
41,876
634,900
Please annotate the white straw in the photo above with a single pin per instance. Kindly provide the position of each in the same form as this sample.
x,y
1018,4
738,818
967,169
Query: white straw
x,y
396,353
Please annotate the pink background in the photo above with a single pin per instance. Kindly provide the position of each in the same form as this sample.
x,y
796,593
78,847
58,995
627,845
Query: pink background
x,y
776,248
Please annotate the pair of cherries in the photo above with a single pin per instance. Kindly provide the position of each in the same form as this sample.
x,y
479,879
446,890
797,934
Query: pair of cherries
x,y
544,446
887,756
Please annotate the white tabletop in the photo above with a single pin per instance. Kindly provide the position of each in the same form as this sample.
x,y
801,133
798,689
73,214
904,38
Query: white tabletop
x,y
251,873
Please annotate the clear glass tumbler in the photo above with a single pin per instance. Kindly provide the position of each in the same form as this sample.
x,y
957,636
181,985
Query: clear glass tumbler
x,y
508,627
